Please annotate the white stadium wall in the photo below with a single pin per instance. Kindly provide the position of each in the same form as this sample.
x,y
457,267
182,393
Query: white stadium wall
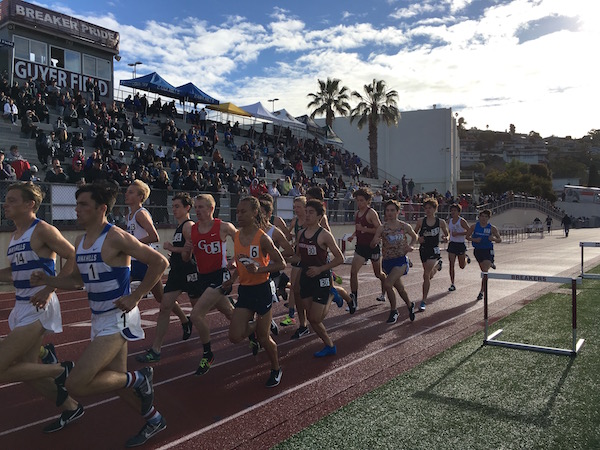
x,y
424,146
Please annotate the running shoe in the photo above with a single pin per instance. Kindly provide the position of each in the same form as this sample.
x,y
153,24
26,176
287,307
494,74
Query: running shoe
x,y
50,357
326,351
480,296
274,328
468,260
337,298
287,321
145,391
411,311
65,418
410,263
422,306
439,265
274,378
61,392
149,357
254,344
493,266
353,306
187,329
393,318
205,363
147,431
452,288
381,298
301,331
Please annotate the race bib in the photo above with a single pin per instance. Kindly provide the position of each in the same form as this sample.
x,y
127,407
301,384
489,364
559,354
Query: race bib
x,y
324,282
436,250
226,276
192,277
311,250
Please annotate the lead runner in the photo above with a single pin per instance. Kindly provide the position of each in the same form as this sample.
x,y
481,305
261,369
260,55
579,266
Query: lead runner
x,y
103,269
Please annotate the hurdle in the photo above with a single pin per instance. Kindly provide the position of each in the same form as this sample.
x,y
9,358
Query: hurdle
x,y
490,339
591,276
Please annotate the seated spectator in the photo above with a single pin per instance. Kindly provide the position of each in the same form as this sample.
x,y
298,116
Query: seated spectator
x,y
75,172
71,117
286,186
11,112
138,124
56,173
296,190
42,111
273,191
7,172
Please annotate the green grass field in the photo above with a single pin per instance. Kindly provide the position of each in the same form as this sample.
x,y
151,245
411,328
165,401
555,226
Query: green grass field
x,y
483,397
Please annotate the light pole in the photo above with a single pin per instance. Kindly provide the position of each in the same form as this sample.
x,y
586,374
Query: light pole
x,y
273,100
134,65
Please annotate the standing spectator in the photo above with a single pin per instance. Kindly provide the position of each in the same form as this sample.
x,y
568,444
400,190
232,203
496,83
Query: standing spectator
x,y
158,197
404,186
202,114
411,187
566,223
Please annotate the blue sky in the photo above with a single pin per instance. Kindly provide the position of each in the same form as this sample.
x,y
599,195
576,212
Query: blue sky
x,y
494,62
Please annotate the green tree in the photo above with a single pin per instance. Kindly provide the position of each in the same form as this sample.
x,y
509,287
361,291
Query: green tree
x,y
378,105
519,177
330,98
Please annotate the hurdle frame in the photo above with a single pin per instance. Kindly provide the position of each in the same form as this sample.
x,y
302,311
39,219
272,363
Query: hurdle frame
x,y
490,339
589,276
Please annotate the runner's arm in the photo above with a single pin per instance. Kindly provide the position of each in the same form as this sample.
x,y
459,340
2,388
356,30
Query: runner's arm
x,y
377,236
496,235
280,224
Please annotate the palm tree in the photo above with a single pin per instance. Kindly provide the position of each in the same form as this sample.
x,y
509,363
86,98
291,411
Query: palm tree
x,y
330,99
378,105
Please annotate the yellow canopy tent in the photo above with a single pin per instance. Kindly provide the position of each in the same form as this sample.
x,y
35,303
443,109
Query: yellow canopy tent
x,y
229,108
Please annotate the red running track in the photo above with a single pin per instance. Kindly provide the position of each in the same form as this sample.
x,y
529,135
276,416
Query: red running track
x,y
229,407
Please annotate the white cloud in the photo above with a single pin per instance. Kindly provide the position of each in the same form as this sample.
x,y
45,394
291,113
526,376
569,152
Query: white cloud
x,y
476,66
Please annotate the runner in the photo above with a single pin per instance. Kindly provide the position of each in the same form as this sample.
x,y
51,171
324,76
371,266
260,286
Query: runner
x,y
140,225
315,280
255,257
276,220
280,241
458,228
429,228
483,235
182,276
393,236
366,222
294,300
103,266
207,242
34,246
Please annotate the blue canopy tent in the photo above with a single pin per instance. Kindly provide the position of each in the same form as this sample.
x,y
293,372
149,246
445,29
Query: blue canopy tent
x,y
152,82
191,93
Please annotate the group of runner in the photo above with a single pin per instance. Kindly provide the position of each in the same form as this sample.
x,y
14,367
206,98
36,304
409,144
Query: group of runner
x,y
106,259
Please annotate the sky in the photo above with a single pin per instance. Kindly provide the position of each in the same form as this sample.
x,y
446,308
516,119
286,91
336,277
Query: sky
x,y
494,62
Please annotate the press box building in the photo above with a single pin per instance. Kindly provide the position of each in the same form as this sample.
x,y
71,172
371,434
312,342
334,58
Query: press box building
x,y
43,44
